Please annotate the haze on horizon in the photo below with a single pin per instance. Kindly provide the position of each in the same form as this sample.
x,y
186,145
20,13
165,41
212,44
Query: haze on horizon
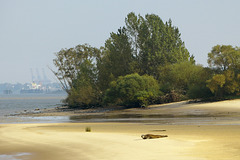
x,y
32,31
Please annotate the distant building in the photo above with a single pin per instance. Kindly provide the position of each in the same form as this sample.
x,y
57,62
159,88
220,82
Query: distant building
x,y
33,88
7,91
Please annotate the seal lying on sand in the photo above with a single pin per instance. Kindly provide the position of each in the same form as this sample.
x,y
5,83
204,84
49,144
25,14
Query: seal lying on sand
x,y
152,136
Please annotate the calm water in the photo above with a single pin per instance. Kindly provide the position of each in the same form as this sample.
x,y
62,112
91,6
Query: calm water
x,y
13,104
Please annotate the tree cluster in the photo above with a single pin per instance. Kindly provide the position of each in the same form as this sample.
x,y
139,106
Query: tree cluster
x,y
144,62
225,61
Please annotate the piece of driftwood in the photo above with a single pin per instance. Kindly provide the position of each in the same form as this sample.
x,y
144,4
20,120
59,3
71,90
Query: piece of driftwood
x,y
152,136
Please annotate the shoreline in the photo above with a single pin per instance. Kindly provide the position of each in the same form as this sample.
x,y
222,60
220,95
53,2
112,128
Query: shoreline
x,y
177,113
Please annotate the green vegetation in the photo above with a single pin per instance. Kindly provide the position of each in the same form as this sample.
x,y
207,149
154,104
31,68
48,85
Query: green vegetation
x,y
225,61
133,90
77,74
144,62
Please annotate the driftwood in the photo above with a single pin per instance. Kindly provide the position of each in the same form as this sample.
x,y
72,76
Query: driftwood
x,y
152,136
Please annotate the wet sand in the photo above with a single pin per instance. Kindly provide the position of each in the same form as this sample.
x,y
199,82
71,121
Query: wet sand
x,y
217,139
179,113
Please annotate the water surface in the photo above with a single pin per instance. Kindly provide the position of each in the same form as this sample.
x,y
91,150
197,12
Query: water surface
x,y
17,103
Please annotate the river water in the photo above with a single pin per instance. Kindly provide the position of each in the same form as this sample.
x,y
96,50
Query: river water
x,y
11,105
16,103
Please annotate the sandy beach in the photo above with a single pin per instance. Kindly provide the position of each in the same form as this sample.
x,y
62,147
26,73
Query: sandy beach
x,y
215,140
118,141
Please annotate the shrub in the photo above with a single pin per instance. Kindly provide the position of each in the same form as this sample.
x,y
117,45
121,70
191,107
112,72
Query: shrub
x,y
172,96
132,90
201,92
82,95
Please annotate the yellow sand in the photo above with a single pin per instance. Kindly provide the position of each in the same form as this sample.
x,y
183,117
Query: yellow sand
x,y
115,141
122,141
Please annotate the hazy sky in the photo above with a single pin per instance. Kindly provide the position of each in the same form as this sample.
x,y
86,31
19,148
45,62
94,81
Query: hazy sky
x,y
31,31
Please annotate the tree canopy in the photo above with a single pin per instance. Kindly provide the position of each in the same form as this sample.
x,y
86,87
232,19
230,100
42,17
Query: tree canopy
x,y
77,73
225,59
145,61
154,43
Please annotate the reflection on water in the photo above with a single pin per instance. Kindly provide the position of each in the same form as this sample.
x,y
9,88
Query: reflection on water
x,y
43,119
17,156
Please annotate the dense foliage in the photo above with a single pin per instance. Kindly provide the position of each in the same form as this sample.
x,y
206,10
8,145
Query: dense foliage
x,y
154,43
225,60
133,90
77,74
144,62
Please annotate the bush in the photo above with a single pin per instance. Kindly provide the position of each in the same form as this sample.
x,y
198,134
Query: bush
x,y
201,92
133,90
172,96
82,95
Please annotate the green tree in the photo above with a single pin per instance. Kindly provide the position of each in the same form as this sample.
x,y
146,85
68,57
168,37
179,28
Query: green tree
x,y
185,78
117,59
155,43
120,53
77,74
225,59
216,84
232,82
224,84
132,90
197,83
144,46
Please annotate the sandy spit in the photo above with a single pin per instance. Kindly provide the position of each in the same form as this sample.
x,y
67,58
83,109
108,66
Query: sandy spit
x,y
118,141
